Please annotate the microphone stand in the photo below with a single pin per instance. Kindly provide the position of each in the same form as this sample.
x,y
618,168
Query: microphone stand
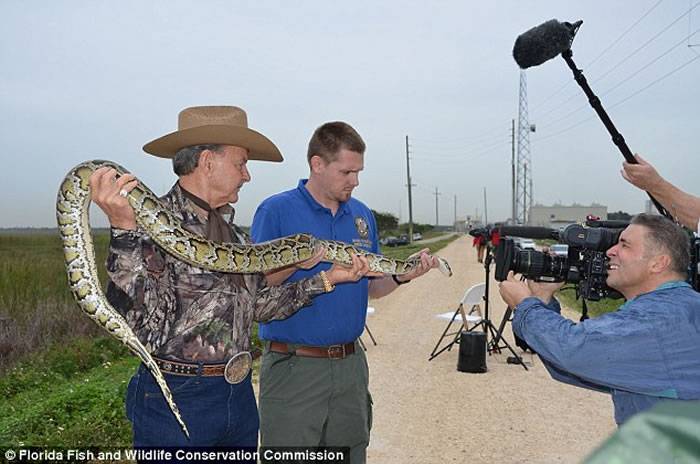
x,y
617,138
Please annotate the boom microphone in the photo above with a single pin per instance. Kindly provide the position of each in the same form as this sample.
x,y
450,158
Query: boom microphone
x,y
529,232
544,42
552,38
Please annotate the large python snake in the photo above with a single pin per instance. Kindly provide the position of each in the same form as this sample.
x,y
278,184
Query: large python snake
x,y
164,228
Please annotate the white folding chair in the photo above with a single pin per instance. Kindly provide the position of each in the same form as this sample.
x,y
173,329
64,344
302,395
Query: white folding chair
x,y
471,301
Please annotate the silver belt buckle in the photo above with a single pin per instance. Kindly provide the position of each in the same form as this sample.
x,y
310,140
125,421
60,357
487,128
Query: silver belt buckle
x,y
336,351
238,367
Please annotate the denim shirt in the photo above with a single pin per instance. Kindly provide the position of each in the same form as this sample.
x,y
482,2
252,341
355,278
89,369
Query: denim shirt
x,y
645,352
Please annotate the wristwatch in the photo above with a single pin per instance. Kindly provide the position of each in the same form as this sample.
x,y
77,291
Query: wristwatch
x,y
399,282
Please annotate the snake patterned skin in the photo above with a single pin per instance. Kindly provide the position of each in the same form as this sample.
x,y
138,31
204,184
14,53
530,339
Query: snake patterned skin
x,y
164,228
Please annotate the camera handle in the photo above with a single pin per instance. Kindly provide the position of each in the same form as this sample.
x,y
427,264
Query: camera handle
x,y
584,310
617,138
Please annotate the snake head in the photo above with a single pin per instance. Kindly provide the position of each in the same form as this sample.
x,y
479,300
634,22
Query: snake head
x,y
444,266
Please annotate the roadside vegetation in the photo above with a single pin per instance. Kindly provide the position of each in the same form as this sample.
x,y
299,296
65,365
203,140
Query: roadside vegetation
x,y
389,226
403,252
567,297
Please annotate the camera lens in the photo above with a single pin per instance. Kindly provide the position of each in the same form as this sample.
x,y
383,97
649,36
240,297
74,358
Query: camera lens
x,y
534,264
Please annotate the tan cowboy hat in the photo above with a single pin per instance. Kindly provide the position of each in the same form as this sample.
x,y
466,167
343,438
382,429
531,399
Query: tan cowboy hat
x,y
223,125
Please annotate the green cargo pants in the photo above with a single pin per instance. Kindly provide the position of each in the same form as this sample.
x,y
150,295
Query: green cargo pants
x,y
316,402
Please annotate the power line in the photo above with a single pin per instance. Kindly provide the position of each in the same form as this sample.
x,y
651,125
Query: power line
x,y
656,81
690,20
463,153
668,74
628,78
460,140
644,45
460,149
635,73
466,157
608,48
625,33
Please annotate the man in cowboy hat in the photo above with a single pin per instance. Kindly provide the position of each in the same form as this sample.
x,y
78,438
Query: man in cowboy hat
x,y
197,323
313,377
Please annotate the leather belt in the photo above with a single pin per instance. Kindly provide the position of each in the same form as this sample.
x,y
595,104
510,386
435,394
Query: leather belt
x,y
331,352
181,368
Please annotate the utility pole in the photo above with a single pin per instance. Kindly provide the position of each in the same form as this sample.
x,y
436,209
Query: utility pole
x,y
437,223
512,169
454,224
525,193
486,214
410,201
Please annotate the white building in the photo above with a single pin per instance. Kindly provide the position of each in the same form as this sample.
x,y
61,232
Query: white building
x,y
558,216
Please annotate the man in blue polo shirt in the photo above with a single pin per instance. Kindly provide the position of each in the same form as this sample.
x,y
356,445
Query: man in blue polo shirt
x,y
314,378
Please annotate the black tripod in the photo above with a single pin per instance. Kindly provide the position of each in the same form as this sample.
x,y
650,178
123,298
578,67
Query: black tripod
x,y
487,326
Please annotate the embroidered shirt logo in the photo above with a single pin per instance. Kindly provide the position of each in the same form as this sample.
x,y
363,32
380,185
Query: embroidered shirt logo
x,y
361,227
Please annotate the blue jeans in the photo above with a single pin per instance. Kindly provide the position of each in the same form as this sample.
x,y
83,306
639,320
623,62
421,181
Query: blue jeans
x,y
216,413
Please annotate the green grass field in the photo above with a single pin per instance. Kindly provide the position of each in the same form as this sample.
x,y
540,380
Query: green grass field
x,y
63,382
37,310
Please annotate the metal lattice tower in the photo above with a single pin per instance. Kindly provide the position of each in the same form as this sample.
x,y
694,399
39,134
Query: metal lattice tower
x,y
523,184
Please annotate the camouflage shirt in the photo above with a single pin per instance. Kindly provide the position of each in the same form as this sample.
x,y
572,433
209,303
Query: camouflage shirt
x,y
186,313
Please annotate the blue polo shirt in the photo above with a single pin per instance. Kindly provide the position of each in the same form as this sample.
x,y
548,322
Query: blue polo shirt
x,y
335,317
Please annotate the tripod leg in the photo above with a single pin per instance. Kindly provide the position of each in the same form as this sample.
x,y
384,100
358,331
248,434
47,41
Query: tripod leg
x,y
519,359
492,346
502,325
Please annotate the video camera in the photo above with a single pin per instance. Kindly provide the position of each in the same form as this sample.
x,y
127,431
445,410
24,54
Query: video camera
x,y
585,264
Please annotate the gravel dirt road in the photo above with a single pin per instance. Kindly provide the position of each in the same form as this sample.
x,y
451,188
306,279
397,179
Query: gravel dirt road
x,y
428,412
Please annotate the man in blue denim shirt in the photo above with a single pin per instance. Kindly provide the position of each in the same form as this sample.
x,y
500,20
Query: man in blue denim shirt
x,y
643,353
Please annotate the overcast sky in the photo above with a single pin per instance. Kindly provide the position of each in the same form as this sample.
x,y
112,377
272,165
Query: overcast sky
x,y
97,79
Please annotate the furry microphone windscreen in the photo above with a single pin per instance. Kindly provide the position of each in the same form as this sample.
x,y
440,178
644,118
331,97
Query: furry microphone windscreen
x,y
543,42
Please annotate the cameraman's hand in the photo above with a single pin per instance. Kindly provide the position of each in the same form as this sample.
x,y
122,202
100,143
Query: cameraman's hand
x,y
514,291
642,175
544,290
